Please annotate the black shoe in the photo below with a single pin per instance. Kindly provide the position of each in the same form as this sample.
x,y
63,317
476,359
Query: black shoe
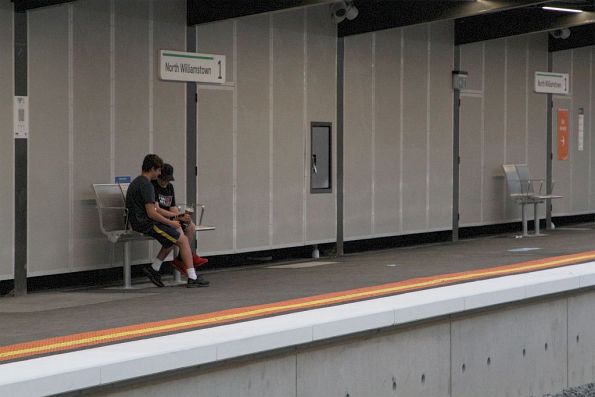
x,y
199,282
153,275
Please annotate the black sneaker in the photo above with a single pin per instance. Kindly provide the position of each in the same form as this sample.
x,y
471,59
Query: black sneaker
x,y
153,275
199,282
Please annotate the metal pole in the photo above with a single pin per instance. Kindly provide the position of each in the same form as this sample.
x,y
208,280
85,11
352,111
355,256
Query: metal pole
x,y
340,87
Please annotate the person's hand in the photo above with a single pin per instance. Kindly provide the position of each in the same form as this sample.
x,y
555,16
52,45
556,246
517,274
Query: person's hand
x,y
175,224
185,217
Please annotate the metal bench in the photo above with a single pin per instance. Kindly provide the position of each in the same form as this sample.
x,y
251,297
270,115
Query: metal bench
x,y
113,222
521,188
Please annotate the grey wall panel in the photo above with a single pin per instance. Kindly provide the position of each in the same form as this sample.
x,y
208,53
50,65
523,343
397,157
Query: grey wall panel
x,y
169,107
470,150
472,63
581,339
494,187
215,167
217,38
48,190
561,169
516,117
321,83
288,128
91,128
415,108
441,125
581,72
405,363
6,141
387,131
253,132
132,139
502,339
358,136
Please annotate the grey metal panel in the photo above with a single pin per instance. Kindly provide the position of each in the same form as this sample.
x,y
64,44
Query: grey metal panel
x,y
217,38
494,186
472,63
169,110
502,336
415,107
215,167
387,132
358,135
321,86
91,137
132,86
441,124
562,63
6,141
288,128
253,132
405,363
49,188
516,115
470,168
580,99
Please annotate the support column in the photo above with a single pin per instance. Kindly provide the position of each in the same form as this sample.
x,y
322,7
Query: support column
x,y
550,154
456,159
20,158
340,73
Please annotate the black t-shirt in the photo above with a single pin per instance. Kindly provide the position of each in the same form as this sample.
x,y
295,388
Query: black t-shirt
x,y
140,192
165,196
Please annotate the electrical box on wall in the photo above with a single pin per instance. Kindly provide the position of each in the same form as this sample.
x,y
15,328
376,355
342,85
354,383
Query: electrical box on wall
x,y
459,80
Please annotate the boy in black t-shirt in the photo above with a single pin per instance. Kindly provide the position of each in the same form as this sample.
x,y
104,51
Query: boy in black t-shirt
x,y
166,198
145,218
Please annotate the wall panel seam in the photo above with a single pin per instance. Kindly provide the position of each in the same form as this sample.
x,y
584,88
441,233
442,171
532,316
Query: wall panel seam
x,y
373,137
590,185
505,119
483,125
70,132
401,96
112,90
151,32
271,125
235,135
428,119
306,131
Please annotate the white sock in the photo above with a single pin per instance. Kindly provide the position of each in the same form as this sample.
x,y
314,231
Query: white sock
x,y
191,273
156,265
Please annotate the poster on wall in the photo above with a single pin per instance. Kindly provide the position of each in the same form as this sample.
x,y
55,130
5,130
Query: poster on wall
x,y
581,129
562,134
21,117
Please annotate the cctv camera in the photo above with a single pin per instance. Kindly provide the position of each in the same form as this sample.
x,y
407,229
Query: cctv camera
x,y
561,33
342,10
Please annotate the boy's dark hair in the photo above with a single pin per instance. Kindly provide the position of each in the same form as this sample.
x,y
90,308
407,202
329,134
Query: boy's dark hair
x,y
152,161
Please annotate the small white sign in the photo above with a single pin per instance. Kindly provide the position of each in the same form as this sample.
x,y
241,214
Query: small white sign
x,y
192,66
552,83
581,131
21,117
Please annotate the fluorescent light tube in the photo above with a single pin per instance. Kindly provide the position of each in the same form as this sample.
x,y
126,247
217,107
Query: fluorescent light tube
x,y
561,9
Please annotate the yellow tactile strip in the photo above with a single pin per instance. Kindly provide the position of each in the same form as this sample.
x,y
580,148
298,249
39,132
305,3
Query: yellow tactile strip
x,y
106,336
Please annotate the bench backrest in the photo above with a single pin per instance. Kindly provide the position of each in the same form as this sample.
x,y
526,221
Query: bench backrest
x,y
112,208
525,178
512,179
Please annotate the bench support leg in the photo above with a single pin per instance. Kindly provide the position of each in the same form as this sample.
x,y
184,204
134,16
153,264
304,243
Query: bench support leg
x,y
127,265
524,220
536,218
315,252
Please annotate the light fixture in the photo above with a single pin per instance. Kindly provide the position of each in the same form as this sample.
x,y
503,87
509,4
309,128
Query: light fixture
x,y
562,9
342,10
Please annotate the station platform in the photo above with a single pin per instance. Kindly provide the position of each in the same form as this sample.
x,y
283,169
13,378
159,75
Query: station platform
x,y
51,323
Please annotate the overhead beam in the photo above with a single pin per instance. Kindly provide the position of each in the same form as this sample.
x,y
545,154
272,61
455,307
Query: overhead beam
x,y
385,14
203,11
516,22
24,5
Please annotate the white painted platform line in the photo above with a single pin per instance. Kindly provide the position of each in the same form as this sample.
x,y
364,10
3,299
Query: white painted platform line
x,y
78,370
301,265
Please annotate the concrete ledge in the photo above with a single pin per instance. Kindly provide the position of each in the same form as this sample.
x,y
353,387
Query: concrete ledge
x,y
111,364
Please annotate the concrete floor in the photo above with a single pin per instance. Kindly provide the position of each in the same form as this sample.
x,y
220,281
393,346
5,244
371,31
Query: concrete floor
x,y
63,312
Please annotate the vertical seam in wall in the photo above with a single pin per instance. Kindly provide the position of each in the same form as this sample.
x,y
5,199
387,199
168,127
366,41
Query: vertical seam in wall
x,y
567,343
150,82
70,132
12,203
112,90
401,79
504,197
483,132
590,113
373,146
428,121
527,93
28,147
235,134
570,127
306,167
271,126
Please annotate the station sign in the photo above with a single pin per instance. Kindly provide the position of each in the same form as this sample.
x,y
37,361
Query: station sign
x,y
191,66
552,83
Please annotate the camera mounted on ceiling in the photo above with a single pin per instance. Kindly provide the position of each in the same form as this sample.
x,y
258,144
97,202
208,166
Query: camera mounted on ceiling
x,y
560,33
342,10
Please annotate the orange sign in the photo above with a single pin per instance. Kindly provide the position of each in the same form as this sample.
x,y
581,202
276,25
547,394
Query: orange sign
x,y
562,134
